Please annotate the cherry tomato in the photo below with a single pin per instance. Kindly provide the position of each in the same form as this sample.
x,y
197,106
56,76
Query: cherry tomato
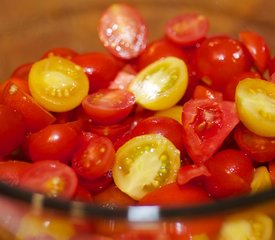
x,y
271,169
21,83
60,52
94,158
271,66
260,149
12,170
83,195
206,124
254,101
123,78
22,71
100,68
220,58
108,106
53,178
257,48
165,126
145,163
161,84
231,173
172,194
35,116
12,130
122,31
204,92
58,84
187,29
55,142
174,112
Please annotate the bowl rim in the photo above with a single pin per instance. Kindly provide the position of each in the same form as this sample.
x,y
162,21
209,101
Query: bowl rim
x,y
136,213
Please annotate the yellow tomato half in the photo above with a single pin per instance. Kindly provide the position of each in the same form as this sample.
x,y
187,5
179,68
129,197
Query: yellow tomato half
x,y
255,101
161,84
58,84
144,164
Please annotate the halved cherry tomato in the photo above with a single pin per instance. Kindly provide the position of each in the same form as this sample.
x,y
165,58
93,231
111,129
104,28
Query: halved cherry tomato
x,y
101,69
20,82
144,164
94,159
35,116
219,59
231,173
161,84
108,106
55,142
254,101
260,149
122,31
53,178
12,130
204,92
22,71
206,124
60,52
58,84
187,29
257,48
174,112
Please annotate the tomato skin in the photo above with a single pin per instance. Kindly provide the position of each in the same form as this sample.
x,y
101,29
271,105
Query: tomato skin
x,y
35,116
206,124
220,58
83,195
100,68
57,142
113,31
108,106
94,158
12,130
52,178
231,173
22,71
271,169
60,52
260,149
204,92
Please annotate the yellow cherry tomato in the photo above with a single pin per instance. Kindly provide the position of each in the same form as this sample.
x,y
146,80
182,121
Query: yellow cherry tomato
x,y
144,164
261,180
255,101
174,112
58,84
161,84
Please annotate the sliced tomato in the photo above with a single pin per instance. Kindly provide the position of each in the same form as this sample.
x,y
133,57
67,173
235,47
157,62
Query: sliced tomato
x,y
206,124
161,84
122,31
58,84
254,101
204,92
108,106
53,178
260,149
94,158
145,163
187,29
63,52
35,116
257,48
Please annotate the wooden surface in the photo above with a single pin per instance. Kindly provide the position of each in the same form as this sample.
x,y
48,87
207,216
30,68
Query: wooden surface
x,y
29,27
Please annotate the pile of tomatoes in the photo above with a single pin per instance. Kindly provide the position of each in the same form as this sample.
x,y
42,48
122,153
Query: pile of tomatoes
x,y
185,119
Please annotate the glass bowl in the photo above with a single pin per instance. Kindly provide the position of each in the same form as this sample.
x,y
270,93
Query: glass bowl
x,y
27,29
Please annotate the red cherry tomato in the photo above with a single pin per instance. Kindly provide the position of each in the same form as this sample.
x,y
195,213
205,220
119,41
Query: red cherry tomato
x,y
20,82
35,116
94,159
101,69
257,48
83,195
172,194
53,178
108,106
231,173
56,142
271,169
260,149
206,124
219,59
187,29
271,66
22,71
60,52
12,130
204,92
122,31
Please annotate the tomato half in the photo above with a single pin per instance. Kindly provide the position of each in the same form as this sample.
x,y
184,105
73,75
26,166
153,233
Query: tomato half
x,y
161,84
122,31
187,29
145,163
206,124
255,106
204,92
108,106
58,84
53,178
